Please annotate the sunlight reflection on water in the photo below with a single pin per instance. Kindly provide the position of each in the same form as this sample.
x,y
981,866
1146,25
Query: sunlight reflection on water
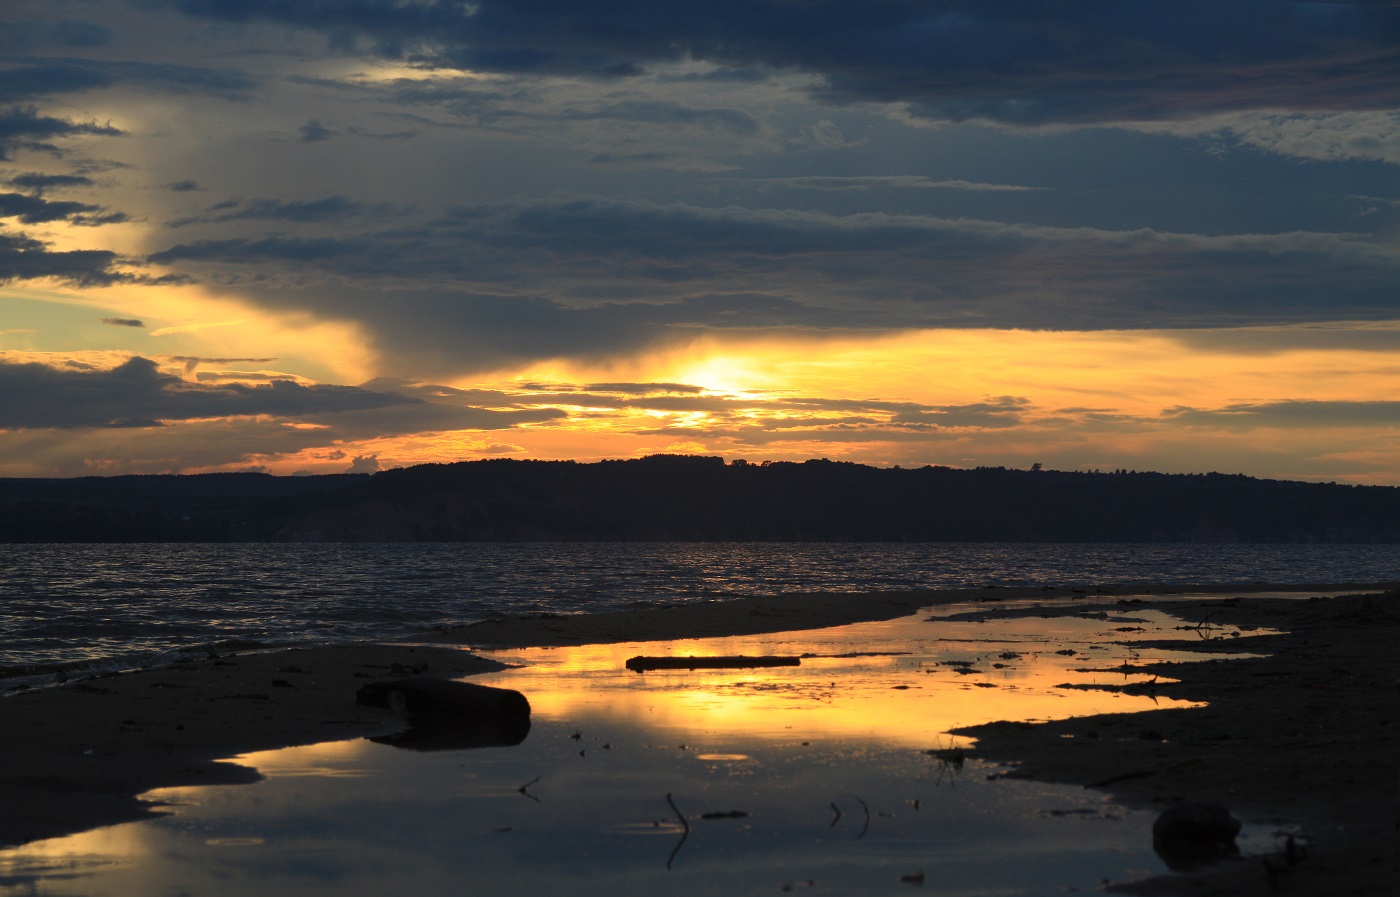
x,y
819,776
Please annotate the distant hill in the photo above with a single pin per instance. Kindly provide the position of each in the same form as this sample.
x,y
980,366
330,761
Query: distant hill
x,y
688,498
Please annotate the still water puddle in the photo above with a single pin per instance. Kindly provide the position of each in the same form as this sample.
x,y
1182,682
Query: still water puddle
x,y
831,777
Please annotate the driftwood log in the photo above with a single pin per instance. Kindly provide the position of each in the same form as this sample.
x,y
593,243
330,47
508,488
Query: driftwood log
x,y
425,696
642,663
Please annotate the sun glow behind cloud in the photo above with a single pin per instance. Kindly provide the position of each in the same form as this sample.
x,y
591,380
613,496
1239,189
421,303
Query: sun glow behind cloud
x,y
945,397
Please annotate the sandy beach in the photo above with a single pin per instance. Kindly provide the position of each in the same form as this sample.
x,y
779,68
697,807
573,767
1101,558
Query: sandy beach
x,y
1304,732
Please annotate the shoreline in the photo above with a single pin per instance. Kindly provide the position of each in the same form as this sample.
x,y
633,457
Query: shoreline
x,y
81,752
1302,735
757,614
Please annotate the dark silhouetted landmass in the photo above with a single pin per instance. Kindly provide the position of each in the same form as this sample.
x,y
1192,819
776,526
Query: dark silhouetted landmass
x,y
685,498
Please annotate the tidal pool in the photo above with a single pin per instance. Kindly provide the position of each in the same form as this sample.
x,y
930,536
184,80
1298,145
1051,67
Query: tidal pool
x,y
836,776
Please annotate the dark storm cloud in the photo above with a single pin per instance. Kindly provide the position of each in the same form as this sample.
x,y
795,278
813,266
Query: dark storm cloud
x,y
36,210
24,258
1015,61
330,208
665,114
1291,414
24,127
314,132
52,77
42,182
27,36
269,249
875,182
137,394
585,277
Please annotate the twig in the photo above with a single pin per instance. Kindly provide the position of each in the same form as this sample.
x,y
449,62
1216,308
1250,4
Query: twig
x,y
1137,774
685,832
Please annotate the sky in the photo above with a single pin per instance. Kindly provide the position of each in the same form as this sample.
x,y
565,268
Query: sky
x,y
351,235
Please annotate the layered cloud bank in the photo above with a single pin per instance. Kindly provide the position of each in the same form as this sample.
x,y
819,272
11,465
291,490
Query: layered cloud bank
x,y
285,236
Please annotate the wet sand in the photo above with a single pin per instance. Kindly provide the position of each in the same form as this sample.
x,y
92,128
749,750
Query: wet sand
x,y
1304,736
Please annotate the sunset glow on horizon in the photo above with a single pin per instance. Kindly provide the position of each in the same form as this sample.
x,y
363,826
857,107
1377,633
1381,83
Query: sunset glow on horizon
x,y
234,237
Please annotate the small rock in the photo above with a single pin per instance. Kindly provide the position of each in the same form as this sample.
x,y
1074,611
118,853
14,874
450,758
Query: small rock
x,y
1192,834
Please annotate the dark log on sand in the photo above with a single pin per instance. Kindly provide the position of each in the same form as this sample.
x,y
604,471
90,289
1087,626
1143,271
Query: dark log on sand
x,y
425,696
642,663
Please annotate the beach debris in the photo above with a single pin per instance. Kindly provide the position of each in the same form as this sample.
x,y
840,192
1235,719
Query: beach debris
x,y
950,762
1122,777
449,715
423,696
643,663
1192,833
685,831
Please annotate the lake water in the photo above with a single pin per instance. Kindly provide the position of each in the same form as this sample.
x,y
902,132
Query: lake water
x,y
108,606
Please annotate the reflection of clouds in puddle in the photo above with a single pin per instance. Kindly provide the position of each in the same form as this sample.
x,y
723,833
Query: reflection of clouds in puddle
x,y
840,767
902,681
723,758
601,824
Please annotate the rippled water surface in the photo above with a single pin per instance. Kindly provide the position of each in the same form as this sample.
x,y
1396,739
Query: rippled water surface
x,y
116,604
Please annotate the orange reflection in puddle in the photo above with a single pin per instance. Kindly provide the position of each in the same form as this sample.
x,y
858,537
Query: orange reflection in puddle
x,y
903,682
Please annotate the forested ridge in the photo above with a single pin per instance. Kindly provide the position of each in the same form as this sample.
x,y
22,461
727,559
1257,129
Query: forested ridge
x,y
689,498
